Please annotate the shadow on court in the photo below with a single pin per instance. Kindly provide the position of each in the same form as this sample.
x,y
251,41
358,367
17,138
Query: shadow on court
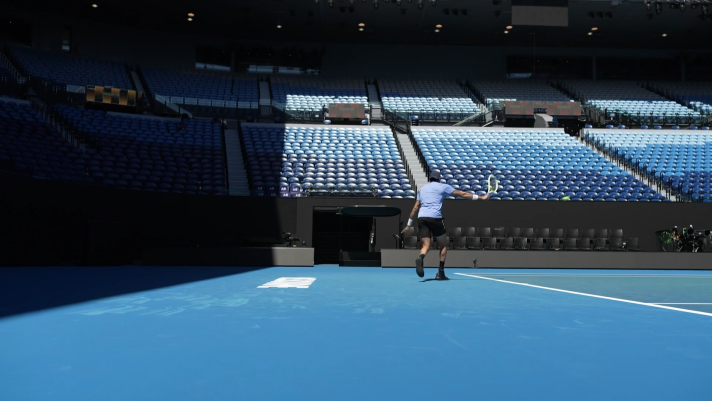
x,y
30,289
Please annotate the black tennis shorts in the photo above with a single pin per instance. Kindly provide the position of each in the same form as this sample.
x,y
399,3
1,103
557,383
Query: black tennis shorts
x,y
430,226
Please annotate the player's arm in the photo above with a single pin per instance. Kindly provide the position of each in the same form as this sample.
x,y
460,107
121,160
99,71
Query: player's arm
x,y
467,195
413,213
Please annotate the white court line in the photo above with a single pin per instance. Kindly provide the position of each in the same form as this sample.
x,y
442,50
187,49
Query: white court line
x,y
590,295
681,303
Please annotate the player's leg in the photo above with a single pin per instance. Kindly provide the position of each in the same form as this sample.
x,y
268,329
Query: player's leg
x,y
441,236
424,233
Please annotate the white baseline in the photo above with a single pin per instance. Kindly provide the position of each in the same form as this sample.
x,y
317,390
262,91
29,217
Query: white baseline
x,y
591,295
289,282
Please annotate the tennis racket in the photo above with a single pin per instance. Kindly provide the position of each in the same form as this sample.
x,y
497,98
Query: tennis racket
x,y
492,184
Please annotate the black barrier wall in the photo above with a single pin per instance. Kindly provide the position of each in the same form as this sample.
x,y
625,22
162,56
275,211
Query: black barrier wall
x,y
51,223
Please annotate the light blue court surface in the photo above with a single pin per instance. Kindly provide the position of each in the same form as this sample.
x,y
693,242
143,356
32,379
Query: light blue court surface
x,y
368,334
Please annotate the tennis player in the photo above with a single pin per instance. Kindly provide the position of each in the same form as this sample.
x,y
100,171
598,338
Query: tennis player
x,y
428,209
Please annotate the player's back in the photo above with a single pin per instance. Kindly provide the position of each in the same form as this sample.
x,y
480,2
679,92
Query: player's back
x,y
431,198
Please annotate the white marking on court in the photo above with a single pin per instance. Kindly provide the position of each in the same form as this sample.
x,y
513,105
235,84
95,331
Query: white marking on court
x,y
590,295
289,282
681,303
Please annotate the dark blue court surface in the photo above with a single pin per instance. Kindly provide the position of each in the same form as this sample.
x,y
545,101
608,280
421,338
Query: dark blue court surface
x,y
369,333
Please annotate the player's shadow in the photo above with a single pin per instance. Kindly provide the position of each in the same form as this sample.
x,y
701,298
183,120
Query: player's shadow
x,y
434,279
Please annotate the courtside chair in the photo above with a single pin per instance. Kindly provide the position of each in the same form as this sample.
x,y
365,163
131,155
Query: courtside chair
x,y
543,233
554,243
600,244
602,233
490,244
571,244
469,232
616,244
585,244
588,233
484,233
410,243
556,232
521,244
528,232
572,233
507,244
515,232
455,232
499,232
538,244
617,233
473,243
459,243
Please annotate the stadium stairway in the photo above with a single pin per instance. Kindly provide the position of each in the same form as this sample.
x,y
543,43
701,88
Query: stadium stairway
x,y
236,174
14,71
137,82
265,99
664,191
412,162
375,102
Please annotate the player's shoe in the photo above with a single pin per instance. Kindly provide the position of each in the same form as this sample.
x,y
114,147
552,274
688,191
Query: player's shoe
x,y
419,267
441,275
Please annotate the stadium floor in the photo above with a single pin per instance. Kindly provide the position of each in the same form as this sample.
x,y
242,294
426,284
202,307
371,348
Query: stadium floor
x,y
355,334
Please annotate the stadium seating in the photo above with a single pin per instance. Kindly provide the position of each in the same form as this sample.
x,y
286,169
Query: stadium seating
x,y
312,93
5,74
149,153
433,99
204,88
67,69
287,160
495,92
630,99
697,95
683,160
529,164
29,145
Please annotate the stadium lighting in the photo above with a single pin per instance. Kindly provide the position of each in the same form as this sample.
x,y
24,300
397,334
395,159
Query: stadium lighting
x,y
360,29
648,5
437,30
665,35
658,8
279,26
95,5
506,32
191,15
190,19
361,24
509,27
438,26
594,28
590,33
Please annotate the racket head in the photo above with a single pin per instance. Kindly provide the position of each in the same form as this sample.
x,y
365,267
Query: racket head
x,y
492,184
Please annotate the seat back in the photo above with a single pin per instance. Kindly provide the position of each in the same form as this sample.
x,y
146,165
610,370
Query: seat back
x,y
454,232
459,243
515,232
616,244
602,233
554,243
601,244
410,243
588,233
538,244
528,232
543,233
572,233
522,243
617,233
499,232
469,232
507,243
485,232
556,232
571,244
490,243
473,243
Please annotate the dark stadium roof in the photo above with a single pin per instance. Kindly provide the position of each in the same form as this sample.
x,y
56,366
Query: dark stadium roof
x,y
626,25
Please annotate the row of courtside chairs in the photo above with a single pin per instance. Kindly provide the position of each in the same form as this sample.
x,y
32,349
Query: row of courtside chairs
x,y
542,239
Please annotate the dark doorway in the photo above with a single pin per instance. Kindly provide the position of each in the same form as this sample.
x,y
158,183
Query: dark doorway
x,y
333,231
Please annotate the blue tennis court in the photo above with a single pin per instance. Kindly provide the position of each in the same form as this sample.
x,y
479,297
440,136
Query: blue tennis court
x,y
341,333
